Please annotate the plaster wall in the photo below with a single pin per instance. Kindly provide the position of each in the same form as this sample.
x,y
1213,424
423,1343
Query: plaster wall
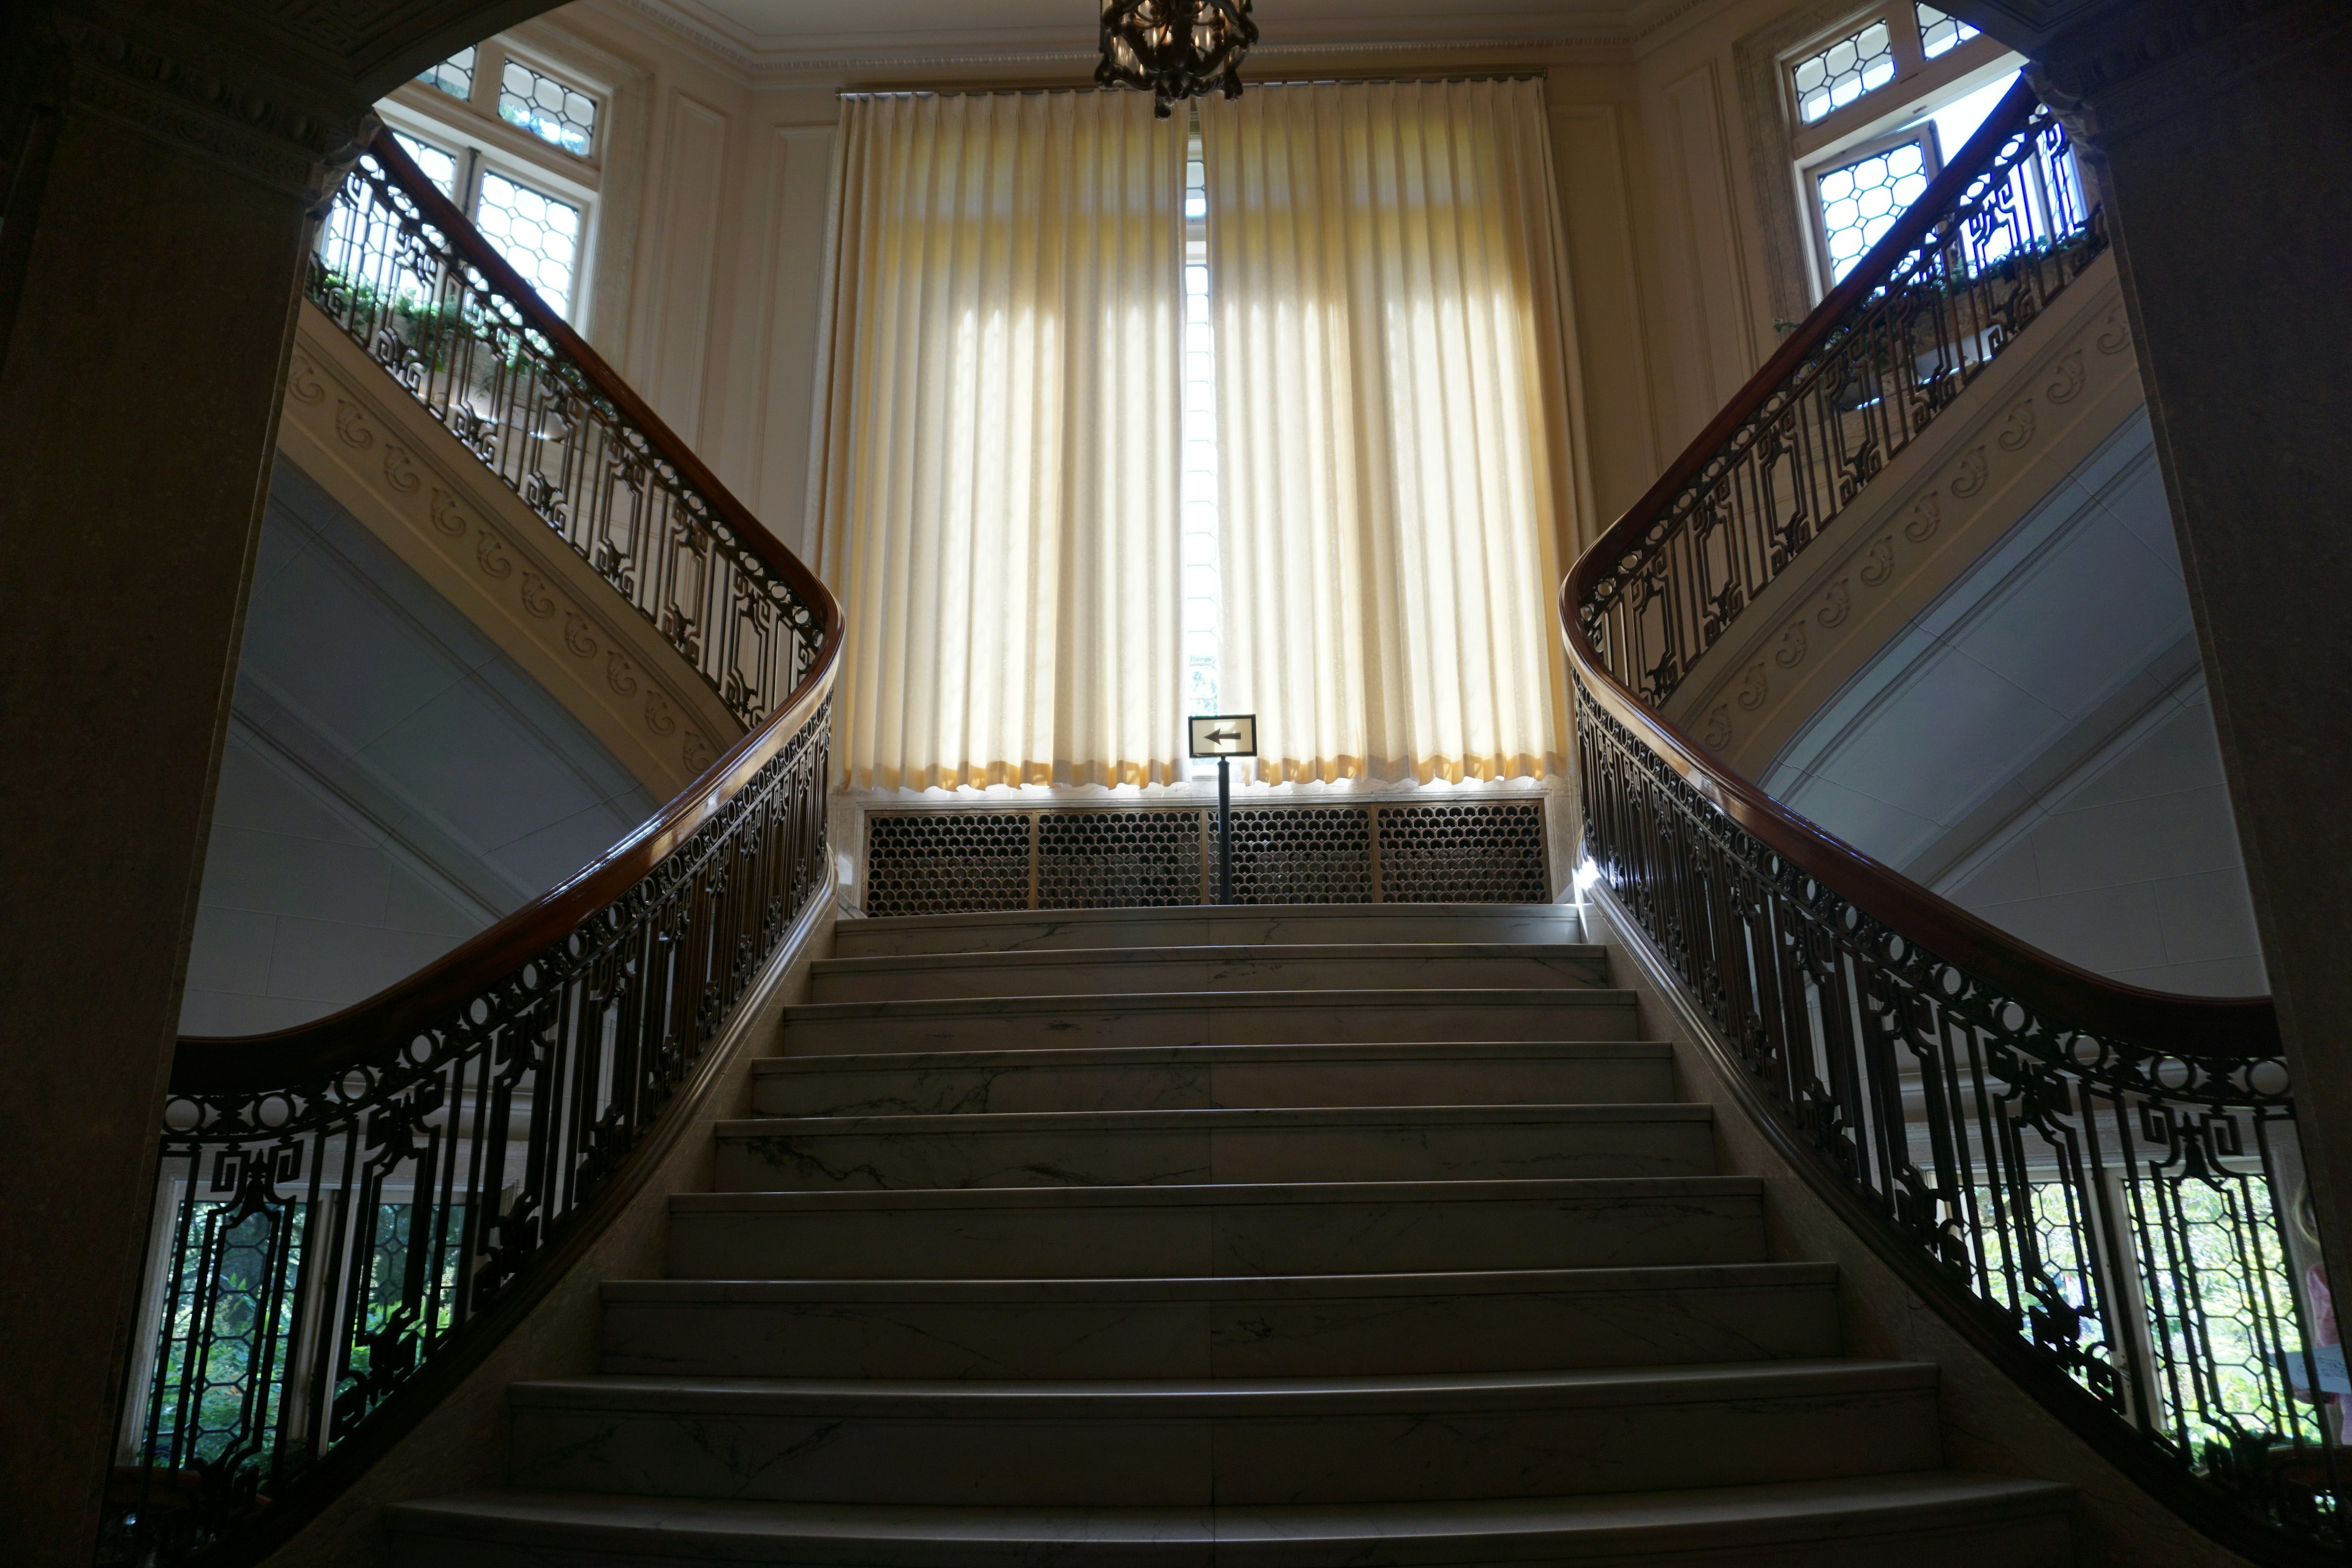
x,y
392,783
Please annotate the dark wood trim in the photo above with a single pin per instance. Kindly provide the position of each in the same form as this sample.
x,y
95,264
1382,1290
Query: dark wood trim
x,y
2106,1435
227,1064
2065,993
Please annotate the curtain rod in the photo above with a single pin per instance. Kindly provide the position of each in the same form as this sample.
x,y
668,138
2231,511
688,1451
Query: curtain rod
x,y
1045,89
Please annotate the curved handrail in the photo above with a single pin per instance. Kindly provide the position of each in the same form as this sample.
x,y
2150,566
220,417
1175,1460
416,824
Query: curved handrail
x,y
353,1210
2247,1025
218,1063
2091,1180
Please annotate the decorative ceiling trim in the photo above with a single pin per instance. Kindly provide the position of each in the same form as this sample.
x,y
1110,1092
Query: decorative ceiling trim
x,y
759,62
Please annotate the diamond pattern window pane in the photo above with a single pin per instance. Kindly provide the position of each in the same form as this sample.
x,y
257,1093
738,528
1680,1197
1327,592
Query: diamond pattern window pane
x,y
1939,33
1852,66
538,235
439,167
454,75
548,109
1861,199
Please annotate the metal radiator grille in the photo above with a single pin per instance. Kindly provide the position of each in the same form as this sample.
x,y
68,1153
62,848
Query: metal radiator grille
x,y
1118,859
938,863
1302,855
1489,852
954,862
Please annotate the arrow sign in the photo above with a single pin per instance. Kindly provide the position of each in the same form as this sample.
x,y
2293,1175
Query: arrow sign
x,y
1225,735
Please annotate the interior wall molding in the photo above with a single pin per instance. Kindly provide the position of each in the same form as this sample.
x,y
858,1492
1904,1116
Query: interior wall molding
x,y
1987,461
295,143
756,62
2135,65
1771,170
414,486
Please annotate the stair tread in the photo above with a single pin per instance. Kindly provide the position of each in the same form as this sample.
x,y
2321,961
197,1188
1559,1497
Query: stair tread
x,y
1214,953
1232,1398
1745,1515
1154,1055
1212,1288
1142,913
1013,1121
1173,1194
1171,1000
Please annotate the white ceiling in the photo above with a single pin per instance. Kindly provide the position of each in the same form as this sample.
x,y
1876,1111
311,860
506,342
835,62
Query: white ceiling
x,y
798,26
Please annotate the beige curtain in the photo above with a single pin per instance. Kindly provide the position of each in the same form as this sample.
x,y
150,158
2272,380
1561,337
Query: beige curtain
x,y
1395,427
995,484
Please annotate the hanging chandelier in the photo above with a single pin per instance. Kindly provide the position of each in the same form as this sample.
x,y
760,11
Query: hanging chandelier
x,y
1177,48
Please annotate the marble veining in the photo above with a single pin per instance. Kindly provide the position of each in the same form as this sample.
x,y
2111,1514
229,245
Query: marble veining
x,y
1162,1237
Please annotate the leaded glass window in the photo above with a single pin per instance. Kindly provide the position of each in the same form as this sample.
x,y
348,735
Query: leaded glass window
x,y
454,75
1860,62
1937,32
548,109
538,235
1861,197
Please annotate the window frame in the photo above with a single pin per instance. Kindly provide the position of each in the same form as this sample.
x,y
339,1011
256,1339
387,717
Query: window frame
x,y
471,130
1931,157
1889,114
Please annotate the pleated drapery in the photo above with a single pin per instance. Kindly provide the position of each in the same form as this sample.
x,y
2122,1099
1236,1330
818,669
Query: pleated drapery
x,y
1394,426
996,474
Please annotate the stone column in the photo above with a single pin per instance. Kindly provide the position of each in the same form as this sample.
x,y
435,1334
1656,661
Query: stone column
x,y
153,245
2220,135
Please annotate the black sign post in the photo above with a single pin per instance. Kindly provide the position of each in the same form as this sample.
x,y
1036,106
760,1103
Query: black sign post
x,y
1225,736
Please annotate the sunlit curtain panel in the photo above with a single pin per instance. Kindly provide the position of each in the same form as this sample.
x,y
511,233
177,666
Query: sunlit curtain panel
x,y
996,465
1385,268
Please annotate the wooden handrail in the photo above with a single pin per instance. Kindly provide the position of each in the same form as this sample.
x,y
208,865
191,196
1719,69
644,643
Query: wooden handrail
x,y
2207,1026
223,1064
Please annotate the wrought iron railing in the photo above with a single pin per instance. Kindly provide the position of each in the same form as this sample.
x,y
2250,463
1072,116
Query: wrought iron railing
x,y
2099,1185
419,288
1888,352
350,1213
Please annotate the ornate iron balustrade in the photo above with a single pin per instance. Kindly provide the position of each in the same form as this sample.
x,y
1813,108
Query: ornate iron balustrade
x,y
1889,351
402,271
351,1213
2099,1185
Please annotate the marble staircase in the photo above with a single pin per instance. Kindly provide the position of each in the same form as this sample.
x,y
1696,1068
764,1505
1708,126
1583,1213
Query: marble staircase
x,y
1300,1237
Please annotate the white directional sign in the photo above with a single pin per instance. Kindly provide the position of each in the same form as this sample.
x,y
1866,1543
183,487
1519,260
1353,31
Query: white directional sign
x,y
1225,735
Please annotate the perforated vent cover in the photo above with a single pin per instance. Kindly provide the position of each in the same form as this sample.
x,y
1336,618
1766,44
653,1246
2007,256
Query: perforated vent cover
x,y
955,862
1303,855
1487,852
1117,860
937,863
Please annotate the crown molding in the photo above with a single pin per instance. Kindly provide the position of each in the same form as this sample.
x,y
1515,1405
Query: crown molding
x,y
760,61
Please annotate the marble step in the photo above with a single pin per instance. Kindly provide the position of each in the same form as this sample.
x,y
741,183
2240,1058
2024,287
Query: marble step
x,y
1310,1326
1176,1077
1198,1443
1017,930
1211,1018
1125,971
1153,1147
1321,1227
1932,1518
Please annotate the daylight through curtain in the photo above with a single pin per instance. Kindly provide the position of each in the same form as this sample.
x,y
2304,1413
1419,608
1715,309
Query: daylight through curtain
x,y
995,492
1394,431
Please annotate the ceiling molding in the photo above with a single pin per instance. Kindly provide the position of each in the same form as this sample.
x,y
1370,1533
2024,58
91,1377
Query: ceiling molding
x,y
761,60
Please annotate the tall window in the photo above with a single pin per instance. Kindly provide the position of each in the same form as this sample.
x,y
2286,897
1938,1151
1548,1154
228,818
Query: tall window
x,y
514,143
1877,106
1203,590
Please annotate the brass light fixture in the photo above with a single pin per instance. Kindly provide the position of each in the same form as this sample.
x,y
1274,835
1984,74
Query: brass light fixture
x,y
1177,48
